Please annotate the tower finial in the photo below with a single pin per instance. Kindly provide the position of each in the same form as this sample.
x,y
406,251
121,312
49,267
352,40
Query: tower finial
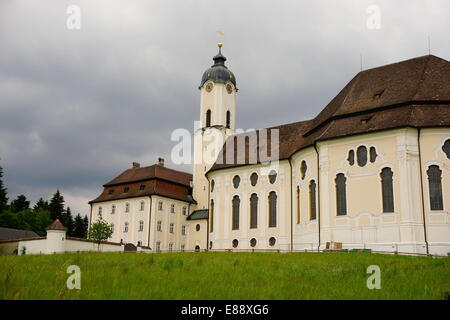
x,y
220,44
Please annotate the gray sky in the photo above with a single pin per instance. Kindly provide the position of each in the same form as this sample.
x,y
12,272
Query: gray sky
x,y
78,106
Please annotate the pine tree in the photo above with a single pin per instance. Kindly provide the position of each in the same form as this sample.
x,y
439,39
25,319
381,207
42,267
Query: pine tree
x,y
41,204
67,221
56,206
78,229
19,204
3,193
85,226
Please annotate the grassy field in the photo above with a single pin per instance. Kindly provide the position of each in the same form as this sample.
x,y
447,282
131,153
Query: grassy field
x,y
223,276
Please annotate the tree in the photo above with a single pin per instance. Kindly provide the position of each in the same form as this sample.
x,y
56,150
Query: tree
x,y
67,221
41,204
56,206
79,229
85,225
100,231
20,204
3,193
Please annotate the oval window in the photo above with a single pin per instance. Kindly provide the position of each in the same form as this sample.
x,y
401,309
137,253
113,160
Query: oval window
x,y
254,179
236,181
272,176
253,242
361,152
272,241
303,169
351,157
235,243
197,227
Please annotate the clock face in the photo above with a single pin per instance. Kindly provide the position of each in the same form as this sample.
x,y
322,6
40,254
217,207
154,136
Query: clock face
x,y
229,88
209,87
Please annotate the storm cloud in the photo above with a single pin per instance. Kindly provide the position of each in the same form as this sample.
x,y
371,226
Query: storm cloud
x,y
78,106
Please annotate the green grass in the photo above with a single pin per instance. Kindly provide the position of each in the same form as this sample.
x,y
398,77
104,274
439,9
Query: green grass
x,y
223,275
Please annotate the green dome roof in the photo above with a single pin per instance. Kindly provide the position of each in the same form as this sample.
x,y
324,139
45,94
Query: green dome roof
x,y
218,71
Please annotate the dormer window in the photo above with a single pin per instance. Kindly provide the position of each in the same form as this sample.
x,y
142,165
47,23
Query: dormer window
x,y
142,187
126,189
110,191
378,94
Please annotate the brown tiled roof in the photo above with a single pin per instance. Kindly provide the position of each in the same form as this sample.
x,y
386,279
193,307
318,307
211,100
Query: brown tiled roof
x,y
155,171
155,179
411,93
56,225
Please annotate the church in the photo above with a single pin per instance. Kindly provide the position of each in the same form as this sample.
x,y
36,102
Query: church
x,y
370,171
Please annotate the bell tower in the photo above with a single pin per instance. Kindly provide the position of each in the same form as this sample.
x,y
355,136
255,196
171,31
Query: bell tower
x,y
217,122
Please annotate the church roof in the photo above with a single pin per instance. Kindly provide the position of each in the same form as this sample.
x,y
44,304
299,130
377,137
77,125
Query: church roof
x,y
147,181
9,234
411,93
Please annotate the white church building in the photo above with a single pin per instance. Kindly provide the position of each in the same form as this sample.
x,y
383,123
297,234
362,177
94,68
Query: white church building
x,y
371,170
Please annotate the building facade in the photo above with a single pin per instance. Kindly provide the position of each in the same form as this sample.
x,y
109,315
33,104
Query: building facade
x,y
371,171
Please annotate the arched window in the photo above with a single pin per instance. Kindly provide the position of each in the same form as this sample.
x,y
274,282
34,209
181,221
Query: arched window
x,y
127,207
435,187
298,204
142,205
387,190
125,229
272,209
211,216
341,197
361,152
100,211
141,225
208,118
113,209
312,200
212,185
254,211
236,203
228,119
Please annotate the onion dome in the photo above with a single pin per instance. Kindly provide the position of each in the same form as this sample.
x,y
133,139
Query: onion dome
x,y
218,72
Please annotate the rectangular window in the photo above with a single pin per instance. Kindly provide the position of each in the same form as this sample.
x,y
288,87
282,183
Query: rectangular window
x,y
159,226
184,211
160,205
172,208
171,228
183,230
